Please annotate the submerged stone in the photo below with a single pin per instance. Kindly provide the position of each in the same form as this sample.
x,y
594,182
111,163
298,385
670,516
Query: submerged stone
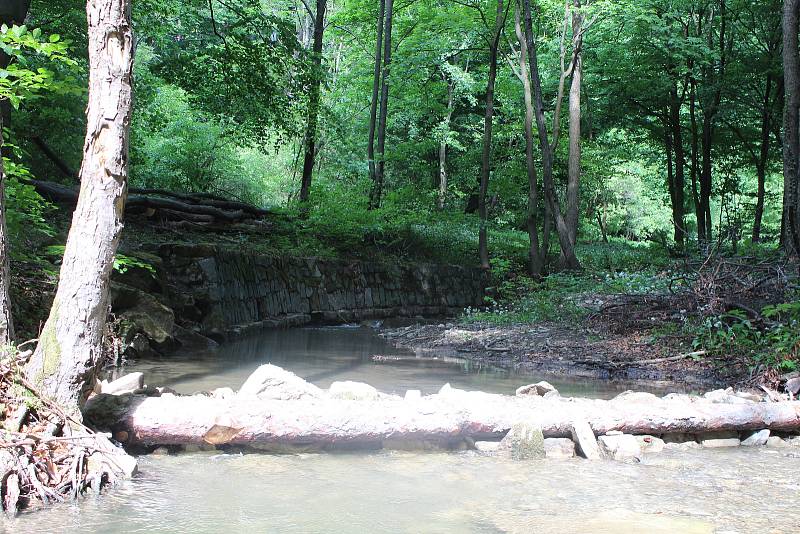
x,y
348,390
620,447
559,448
756,439
523,442
650,444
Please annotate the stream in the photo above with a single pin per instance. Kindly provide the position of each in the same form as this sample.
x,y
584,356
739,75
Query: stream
x,y
731,490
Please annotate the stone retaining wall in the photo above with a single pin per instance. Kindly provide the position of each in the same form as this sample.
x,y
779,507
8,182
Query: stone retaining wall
x,y
217,291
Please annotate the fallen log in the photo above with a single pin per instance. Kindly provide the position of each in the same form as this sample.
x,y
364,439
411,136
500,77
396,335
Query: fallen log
x,y
315,417
223,211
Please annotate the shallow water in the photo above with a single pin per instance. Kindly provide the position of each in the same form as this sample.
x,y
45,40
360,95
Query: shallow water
x,y
701,491
324,355
735,490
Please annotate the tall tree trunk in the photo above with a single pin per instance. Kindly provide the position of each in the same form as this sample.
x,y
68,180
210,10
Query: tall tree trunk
x,y
70,347
377,190
695,167
570,261
679,179
6,319
313,102
376,87
705,175
443,149
483,240
11,12
574,164
791,136
763,158
535,254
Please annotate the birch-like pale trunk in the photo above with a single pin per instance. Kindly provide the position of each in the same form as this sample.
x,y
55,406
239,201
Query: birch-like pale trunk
x,y
6,322
443,149
70,345
574,162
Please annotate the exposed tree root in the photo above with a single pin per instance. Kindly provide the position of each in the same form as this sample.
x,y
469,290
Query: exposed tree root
x,y
47,456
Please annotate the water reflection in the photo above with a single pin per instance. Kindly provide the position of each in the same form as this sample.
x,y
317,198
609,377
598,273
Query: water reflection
x,y
324,355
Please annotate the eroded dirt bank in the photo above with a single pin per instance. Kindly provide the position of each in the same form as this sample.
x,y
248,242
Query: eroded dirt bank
x,y
579,350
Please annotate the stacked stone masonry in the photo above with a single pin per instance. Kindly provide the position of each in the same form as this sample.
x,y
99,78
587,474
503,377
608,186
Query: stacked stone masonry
x,y
217,291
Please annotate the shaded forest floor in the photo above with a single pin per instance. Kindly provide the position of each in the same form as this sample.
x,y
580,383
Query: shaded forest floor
x,y
718,320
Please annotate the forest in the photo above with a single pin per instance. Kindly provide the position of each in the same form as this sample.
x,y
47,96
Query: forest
x,y
620,177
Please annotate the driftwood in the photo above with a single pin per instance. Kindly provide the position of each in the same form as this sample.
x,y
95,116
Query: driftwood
x,y
327,420
178,205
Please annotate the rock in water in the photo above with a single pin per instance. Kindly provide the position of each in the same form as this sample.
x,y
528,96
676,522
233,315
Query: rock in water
x,y
125,384
539,388
583,436
756,439
271,382
559,448
650,444
620,447
348,390
523,442
793,386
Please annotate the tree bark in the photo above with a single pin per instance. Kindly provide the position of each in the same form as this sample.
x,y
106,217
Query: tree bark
x,y
6,318
763,159
791,135
377,189
569,260
695,167
70,347
483,239
536,256
310,141
376,87
574,163
679,179
443,149
446,417
11,12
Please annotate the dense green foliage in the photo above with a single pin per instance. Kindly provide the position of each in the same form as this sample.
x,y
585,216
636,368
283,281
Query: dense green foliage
x,y
689,88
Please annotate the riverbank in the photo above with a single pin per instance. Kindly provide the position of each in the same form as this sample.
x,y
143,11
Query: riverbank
x,y
559,349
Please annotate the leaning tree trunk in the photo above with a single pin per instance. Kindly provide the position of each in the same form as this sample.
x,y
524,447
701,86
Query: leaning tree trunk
x,y
70,345
6,323
574,163
569,260
377,186
483,239
313,102
679,179
791,136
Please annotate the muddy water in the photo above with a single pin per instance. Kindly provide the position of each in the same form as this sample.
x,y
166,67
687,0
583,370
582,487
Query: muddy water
x,y
324,355
737,490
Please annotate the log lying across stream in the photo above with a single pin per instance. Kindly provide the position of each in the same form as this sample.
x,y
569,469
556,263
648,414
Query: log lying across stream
x,y
270,411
